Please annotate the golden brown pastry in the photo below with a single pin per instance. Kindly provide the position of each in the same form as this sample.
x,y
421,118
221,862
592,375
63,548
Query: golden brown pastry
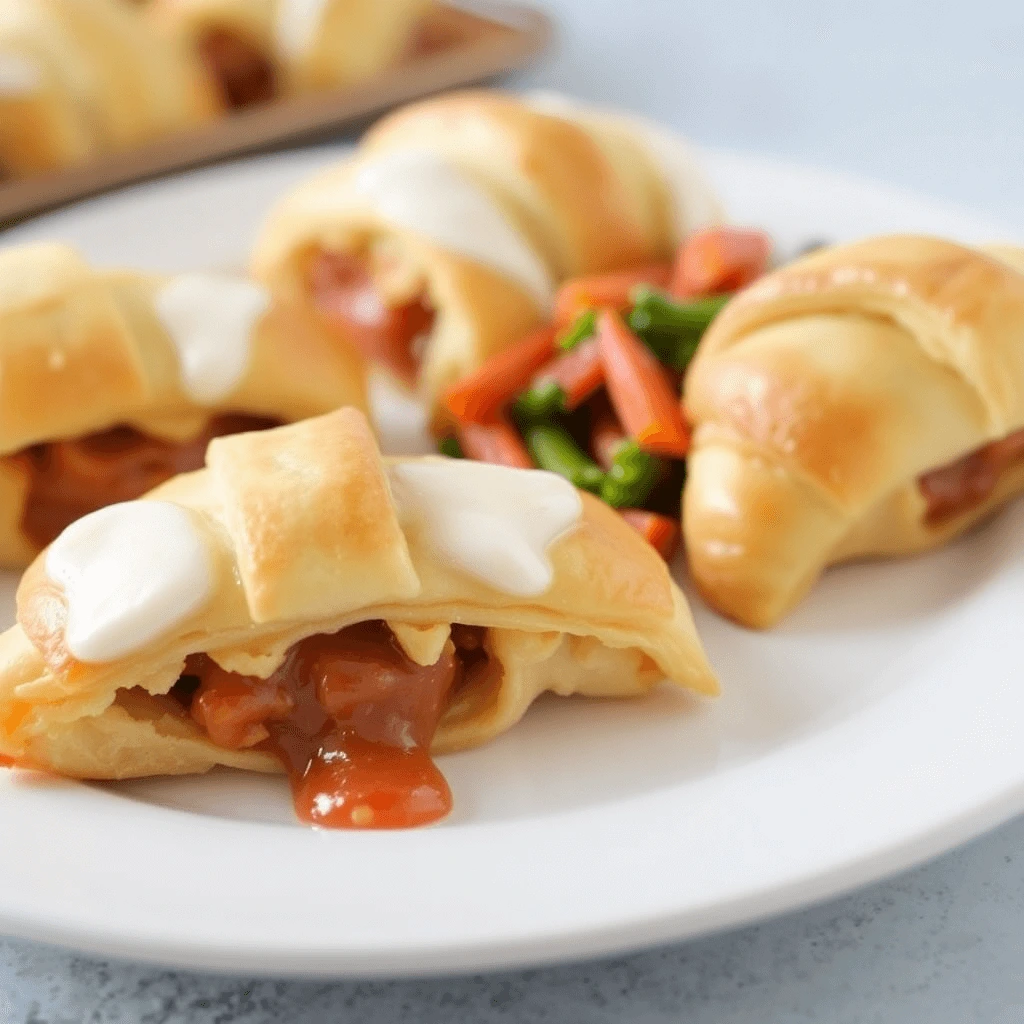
x,y
259,50
443,239
301,605
867,400
90,77
110,382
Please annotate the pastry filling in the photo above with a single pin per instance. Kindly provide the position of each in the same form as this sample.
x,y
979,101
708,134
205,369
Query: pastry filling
x,y
69,479
386,332
245,76
350,717
967,483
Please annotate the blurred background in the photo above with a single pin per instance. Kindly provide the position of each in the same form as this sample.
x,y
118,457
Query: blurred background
x,y
925,95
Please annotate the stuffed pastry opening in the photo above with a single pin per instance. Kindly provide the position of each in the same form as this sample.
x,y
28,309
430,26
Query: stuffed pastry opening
x,y
70,478
953,490
378,300
244,74
351,717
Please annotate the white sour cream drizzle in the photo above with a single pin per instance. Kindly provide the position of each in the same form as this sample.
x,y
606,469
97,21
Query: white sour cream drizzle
x,y
694,202
19,75
210,320
130,572
298,25
418,191
492,522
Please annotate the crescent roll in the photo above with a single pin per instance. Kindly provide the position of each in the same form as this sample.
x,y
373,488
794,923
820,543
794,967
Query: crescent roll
x,y
301,605
90,77
867,400
258,50
443,239
111,382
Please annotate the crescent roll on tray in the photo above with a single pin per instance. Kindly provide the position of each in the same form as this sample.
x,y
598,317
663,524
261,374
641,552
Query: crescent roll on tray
x,y
257,51
302,606
80,79
867,400
111,382
443,239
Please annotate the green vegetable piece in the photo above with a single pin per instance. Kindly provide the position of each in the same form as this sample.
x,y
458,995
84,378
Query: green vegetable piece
x,y
450,446
583,327
540,401
672,330
553,448
632,477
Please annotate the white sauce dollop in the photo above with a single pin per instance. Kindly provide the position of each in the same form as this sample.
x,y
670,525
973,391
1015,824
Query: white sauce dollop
x,y
210,319
493,522
298,25
418,191
130,572
19,75
694,202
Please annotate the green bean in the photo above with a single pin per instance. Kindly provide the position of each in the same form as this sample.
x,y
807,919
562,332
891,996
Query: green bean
x,y
540,401
583,327
553,448
450,446
631,477
672,330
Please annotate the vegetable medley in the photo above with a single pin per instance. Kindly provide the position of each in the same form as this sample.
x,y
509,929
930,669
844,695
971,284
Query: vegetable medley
x,y
594,395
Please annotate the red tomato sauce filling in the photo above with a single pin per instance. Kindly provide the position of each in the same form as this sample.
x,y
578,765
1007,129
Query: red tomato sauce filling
x,y
69,479
344,291
350,717
245,76
967,483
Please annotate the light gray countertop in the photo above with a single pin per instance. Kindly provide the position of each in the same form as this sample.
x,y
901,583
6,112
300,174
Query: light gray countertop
x,y
927,95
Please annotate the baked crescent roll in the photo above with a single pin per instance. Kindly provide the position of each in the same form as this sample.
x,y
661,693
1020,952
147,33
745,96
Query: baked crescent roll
x,y
89,77
111,382
867,400
301,605
258,50
442,240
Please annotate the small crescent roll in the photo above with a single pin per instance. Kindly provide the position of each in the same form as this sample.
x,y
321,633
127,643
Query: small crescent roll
x,y
90,77
866,400
296,536
301,45
476,205
93,363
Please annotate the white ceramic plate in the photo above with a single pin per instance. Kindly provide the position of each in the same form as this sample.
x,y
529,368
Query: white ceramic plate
x,y
882,723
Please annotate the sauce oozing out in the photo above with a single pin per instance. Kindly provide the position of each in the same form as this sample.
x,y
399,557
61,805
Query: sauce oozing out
x,y
349,715
345,292
246,76
967,483
70,479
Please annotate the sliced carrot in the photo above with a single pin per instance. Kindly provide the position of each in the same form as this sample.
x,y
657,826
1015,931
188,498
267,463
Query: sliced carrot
x,y
661,532
606,433
579,373
480,396
496,442
599,290
345,293
718,260
639,390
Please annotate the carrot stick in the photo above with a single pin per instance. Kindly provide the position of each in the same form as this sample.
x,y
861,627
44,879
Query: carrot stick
x,y
639,391
480,396
583,293
579,373
719,260
606,433
661,532
496,442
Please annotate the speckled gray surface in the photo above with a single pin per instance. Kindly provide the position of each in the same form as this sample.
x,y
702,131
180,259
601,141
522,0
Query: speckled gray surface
x,y
930,96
